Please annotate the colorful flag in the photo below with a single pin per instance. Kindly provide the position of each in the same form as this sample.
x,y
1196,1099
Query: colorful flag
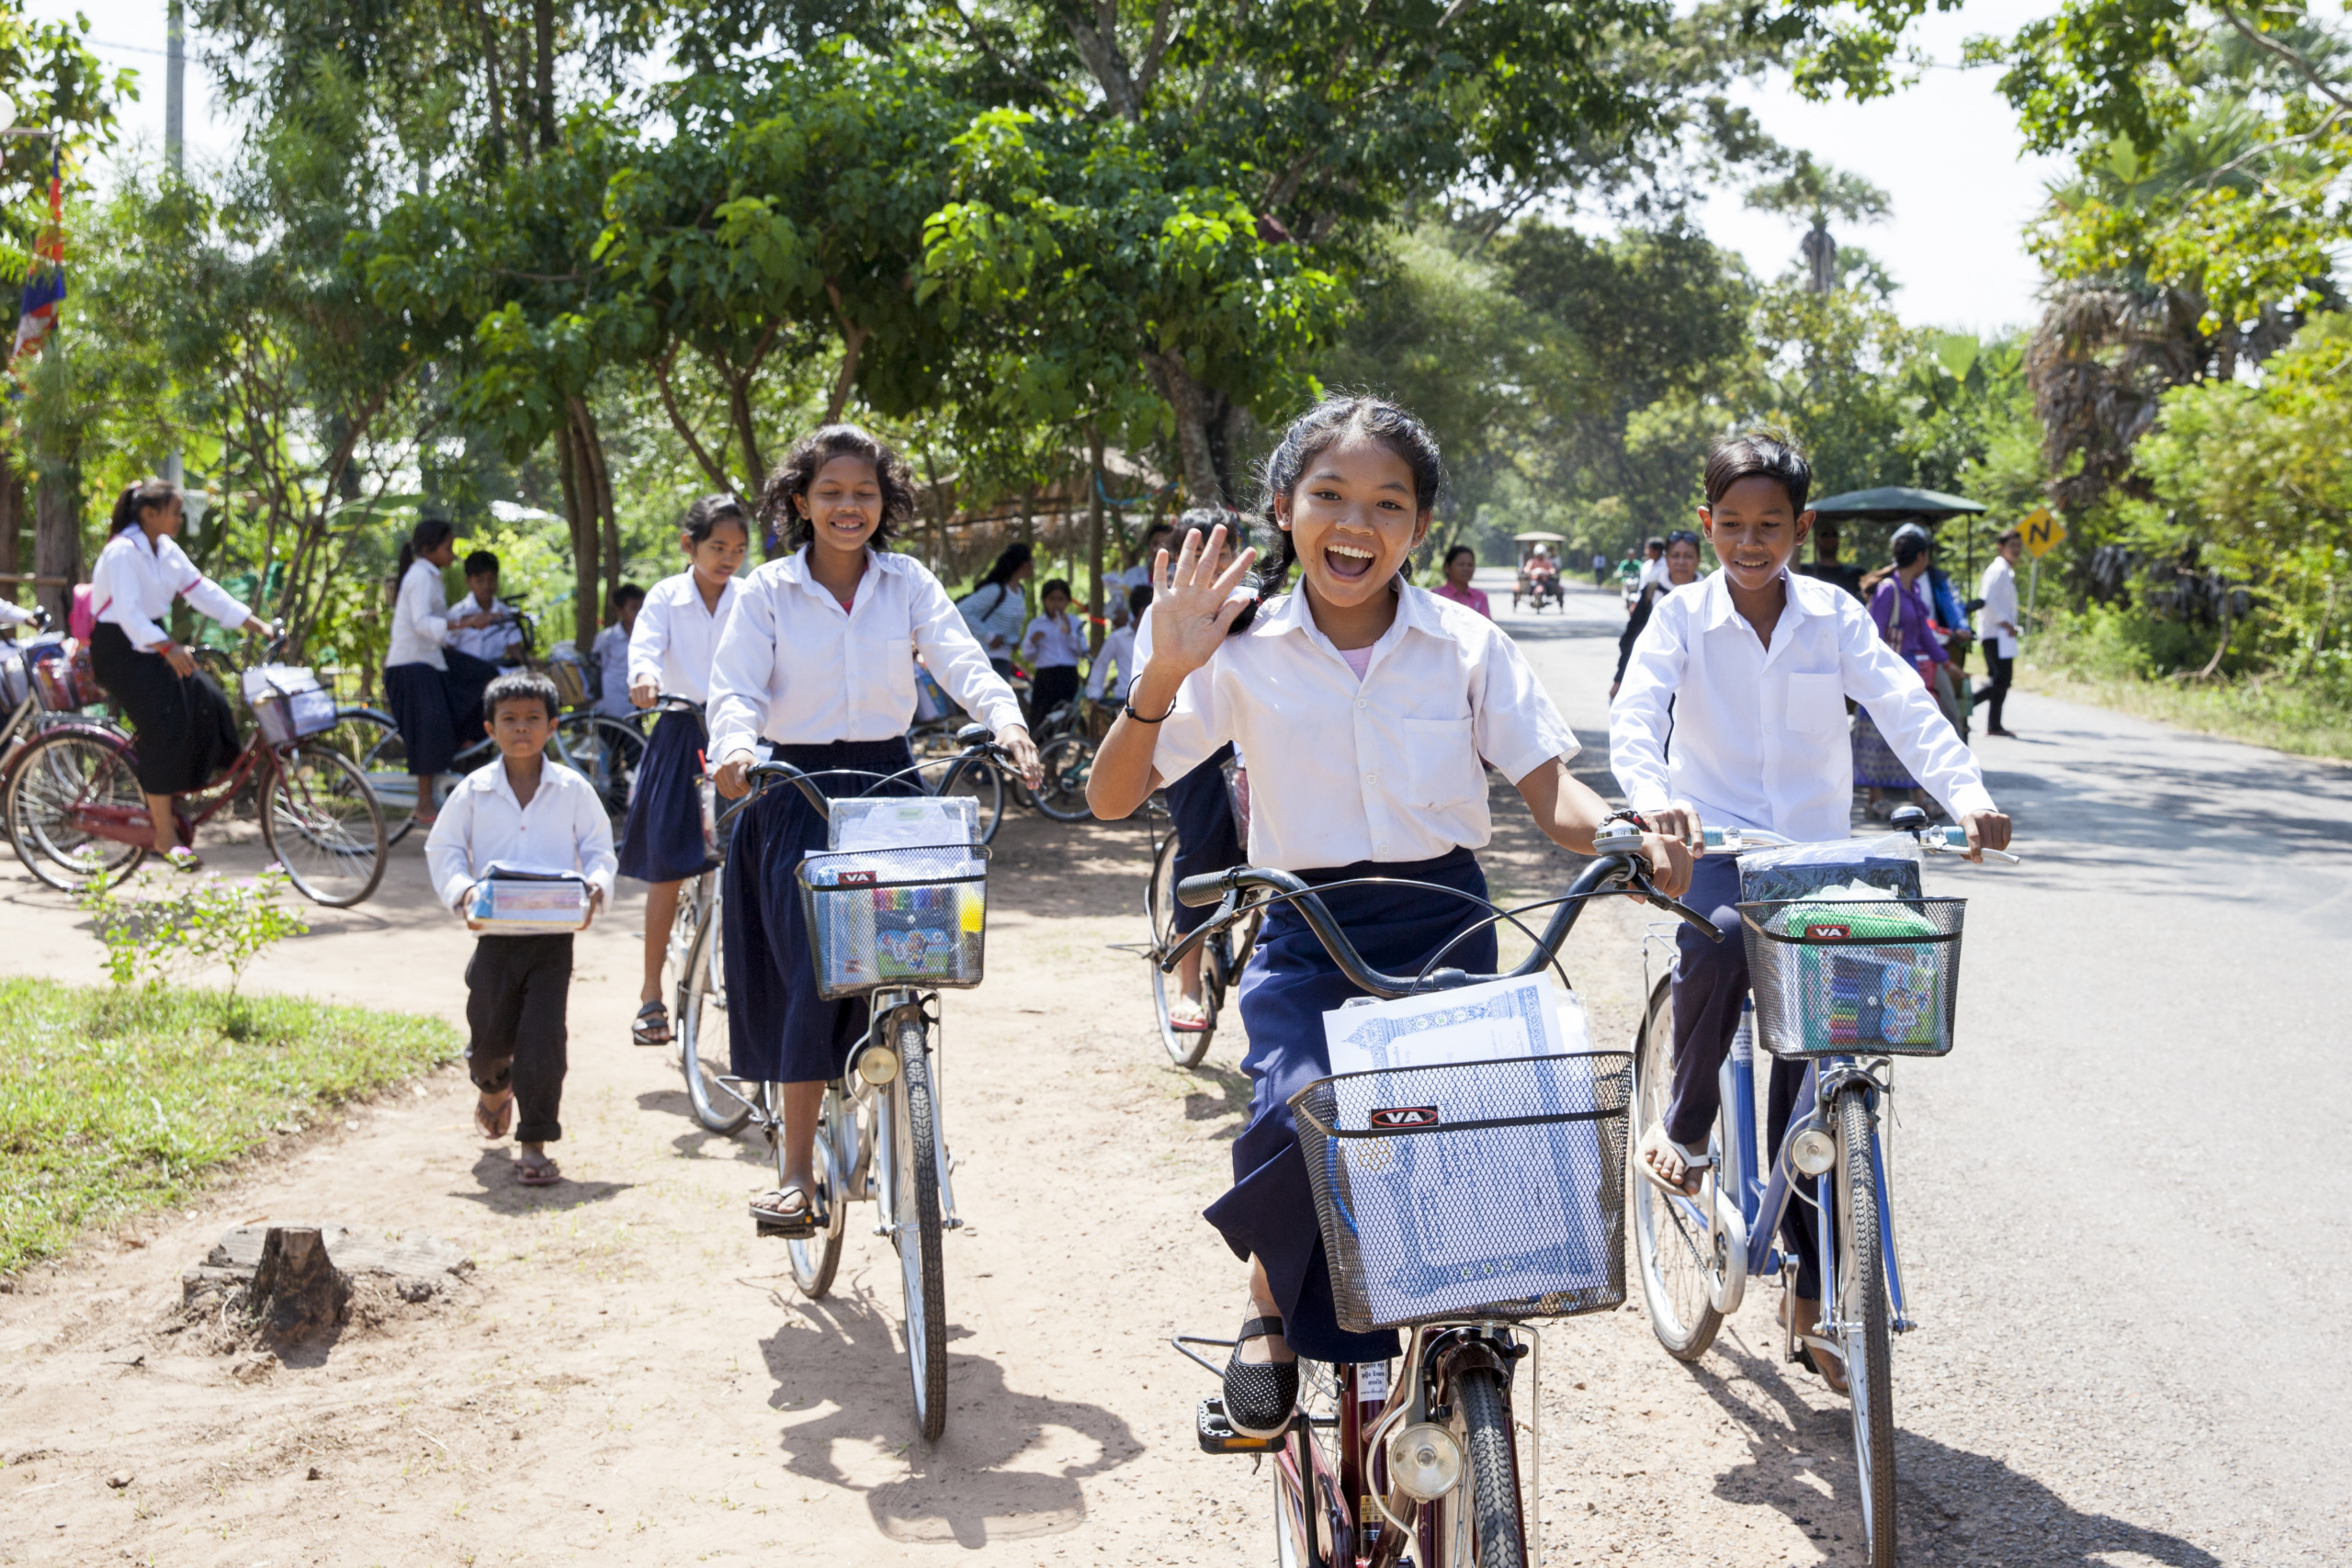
x,y
45,278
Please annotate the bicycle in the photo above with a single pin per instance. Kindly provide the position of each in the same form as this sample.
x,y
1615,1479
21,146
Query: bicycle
x,y
1695,1258
606,749
1065,742
1224,949
75,812
879,1135
1364,1475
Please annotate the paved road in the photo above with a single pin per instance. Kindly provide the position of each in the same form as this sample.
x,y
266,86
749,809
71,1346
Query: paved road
x,y
2120,1198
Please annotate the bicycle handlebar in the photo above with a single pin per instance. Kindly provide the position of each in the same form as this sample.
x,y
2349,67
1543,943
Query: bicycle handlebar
x,y
1950,839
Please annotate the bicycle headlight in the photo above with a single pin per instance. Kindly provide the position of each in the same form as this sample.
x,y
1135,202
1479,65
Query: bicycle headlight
x,y
1425,1461
877,1065
1813,1152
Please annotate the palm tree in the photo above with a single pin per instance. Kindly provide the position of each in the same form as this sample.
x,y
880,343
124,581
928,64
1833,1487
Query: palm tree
x,y
1813,193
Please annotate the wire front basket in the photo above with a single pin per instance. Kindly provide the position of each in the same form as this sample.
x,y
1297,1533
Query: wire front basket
x,y
1871,977
1470,1189
896,917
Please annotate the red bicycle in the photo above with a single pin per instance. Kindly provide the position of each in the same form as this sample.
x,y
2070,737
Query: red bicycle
x,y
76,813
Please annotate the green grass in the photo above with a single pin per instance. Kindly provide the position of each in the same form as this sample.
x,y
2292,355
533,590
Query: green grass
x,y
113,1101
2282,716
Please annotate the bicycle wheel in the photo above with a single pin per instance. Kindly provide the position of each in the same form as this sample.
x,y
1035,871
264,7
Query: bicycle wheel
x,y
1488,1498
701,1024
915,1232
607,751
60,781
370,737
983,782
816,1259
323,825
1186,1048
1679,1266
1862,1325
1067,759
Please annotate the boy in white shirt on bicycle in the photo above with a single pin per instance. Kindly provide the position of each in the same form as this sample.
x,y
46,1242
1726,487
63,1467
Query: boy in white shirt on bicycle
x,y
1748,672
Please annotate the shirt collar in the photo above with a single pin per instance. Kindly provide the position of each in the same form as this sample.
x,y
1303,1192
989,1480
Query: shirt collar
x,y
1290,614
794,569
1719,610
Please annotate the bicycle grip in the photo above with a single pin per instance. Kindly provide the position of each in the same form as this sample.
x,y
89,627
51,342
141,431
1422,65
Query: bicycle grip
x,y
1197,892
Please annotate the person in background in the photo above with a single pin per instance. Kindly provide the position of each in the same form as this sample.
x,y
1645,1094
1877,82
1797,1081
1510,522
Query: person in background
x,y
1653,565
1950,680
1053,645
1115,666
608,656
1899,607
182,720
1600,569
1681,567
1155,539
1461,564
996,609
426,703
1997,626
1826,565
13,614
497,641
533,815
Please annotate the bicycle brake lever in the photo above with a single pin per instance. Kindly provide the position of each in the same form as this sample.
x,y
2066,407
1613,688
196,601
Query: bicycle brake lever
x,y
1641,885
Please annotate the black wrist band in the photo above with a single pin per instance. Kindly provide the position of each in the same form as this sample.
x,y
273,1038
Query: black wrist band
x,y
1127,706
1635,818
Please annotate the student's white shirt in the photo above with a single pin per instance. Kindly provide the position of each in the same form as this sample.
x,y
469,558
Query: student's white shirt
x,y
610,651
677,635
1999,591
135,581
14,614
563,828
1382,769
1652,571
420,618
490,642
1118,654
995,616
795,668
1759,738
1053,639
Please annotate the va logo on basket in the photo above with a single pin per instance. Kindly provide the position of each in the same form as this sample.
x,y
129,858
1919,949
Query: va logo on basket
x,y
1404,1116
1816,933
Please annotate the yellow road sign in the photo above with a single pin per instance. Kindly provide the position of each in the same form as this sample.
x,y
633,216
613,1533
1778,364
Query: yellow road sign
x,y
2042,532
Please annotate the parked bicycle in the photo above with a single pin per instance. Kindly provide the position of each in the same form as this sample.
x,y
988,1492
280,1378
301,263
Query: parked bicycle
x,y
1421,1464
1225,949
75,811
1066,741
605,749
1824,977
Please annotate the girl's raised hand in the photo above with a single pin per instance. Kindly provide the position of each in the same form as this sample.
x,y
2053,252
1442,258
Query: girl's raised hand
x,y
1192,600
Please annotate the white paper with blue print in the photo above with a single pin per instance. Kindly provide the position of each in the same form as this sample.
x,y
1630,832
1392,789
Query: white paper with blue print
x,y
1500,1215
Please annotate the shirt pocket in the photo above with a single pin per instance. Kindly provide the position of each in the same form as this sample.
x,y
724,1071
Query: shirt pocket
x,y
1441,763
1816,704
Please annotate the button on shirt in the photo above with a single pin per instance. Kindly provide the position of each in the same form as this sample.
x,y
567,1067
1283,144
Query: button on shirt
x,y
795,668
420,618
136,580
563,828
1053,640
677,635
1761,737
1384,768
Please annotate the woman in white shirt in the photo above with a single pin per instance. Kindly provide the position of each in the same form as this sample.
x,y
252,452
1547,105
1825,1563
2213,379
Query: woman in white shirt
x,y
1054,645
436,717
995,608
817,662
1365,706
185,729
669,650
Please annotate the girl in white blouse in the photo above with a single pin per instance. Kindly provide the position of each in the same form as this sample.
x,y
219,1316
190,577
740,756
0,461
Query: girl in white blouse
x,y
1365,706
437,715
670,650
818,662
185,729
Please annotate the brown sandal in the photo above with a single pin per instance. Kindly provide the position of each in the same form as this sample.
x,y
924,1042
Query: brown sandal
x,y
495,1121
537,1170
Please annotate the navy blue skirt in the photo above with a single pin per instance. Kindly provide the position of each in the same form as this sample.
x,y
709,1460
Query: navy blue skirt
x,y
1200,808
780,1029
1290,983
432,713
661,840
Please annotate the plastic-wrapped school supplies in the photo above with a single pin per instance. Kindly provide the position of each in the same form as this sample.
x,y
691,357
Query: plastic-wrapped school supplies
x,y
517,901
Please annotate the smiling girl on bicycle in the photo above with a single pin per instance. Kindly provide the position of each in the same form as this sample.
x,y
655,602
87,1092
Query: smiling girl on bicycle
x,y
1365,706
815,661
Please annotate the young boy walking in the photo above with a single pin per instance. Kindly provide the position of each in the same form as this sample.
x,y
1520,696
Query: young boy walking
x,y
529,813
1749,676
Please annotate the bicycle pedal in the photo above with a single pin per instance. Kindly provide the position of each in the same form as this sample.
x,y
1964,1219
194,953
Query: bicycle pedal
x,y
1217,1435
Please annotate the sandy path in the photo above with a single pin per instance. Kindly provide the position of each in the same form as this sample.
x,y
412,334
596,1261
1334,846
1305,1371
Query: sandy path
x,y
631,1377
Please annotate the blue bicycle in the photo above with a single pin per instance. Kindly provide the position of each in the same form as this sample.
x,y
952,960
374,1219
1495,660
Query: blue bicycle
x,y
1846,986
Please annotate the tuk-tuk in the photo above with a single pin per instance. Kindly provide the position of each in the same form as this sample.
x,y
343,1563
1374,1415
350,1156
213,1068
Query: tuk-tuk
x,y
1539,570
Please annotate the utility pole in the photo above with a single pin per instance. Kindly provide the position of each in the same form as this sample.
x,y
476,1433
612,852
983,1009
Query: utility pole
x,y
174,157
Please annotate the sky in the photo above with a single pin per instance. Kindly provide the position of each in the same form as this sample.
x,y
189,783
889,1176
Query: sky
x,y
1946,150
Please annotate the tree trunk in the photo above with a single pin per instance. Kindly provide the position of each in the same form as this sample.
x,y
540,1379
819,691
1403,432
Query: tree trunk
x,y
57,537
1187,398
543,69
12,520
577,489
492,91
1094,541
599,494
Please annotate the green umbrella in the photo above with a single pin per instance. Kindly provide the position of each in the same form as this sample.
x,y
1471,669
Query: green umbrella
x,y
1895,503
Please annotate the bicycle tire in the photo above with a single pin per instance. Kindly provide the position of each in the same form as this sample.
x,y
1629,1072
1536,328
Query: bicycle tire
x,y
324,826
1062,793
57,771
816,1259
916,1234
1184,1047
701,1028
1861,1291
1673,1255
983,782
1484,1415
370,738
606,751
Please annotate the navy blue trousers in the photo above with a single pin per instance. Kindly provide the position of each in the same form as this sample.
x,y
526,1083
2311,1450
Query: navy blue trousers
x,y
779,1029
662,840
1269,1213
1200,808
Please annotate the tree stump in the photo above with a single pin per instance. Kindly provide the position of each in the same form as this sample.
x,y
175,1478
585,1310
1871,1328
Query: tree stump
x,y
296,1290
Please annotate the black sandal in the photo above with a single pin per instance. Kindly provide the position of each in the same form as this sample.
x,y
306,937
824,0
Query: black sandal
x,y
651,1026
793,1227
1260,1396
